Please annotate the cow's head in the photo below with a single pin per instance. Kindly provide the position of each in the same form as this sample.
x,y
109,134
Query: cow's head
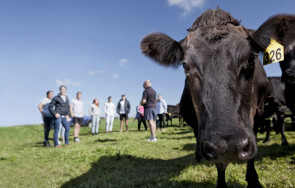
x,y
225,78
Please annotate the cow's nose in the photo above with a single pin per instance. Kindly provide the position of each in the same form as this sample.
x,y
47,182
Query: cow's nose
x,y
241,150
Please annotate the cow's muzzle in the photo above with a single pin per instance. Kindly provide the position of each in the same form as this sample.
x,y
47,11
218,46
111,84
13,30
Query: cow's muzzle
x,y
241,151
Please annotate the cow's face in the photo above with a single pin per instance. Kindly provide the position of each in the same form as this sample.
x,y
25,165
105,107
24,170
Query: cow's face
x,y
219,65
226,80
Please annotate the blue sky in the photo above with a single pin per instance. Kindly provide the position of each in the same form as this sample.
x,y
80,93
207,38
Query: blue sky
x,y
93,46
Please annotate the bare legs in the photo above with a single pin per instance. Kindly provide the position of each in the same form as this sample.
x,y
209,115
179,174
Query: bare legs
x,y
121,125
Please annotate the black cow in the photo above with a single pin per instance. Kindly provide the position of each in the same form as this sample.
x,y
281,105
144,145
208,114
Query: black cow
x,y
173,111
275,104
225,84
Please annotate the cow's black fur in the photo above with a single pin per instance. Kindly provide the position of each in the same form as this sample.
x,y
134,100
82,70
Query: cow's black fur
x,y
225,85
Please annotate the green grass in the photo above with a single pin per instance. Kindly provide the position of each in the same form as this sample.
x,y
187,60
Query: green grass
x,y
127,160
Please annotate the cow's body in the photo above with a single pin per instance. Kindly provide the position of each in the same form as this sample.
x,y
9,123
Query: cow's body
x,y
173,111
275,105
225,85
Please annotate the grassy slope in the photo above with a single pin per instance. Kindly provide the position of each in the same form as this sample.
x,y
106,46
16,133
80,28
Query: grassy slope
x,y
127,160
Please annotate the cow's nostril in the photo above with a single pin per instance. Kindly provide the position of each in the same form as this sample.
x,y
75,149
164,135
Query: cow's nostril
x,y
209,150
246,148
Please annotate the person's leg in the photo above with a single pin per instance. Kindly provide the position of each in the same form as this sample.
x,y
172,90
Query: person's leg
x,y
93,124
160,121
144,123
139,123
126,122
97,124
56,131
62,130
163,120
47,127
108,120
152,127
121,124
111,123
65,124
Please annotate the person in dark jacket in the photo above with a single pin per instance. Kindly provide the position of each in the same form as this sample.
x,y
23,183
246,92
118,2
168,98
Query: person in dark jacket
x,y
60,109
123,109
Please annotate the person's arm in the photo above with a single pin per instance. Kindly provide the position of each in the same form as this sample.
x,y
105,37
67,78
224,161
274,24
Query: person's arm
x,y
105,108
118,108
51,105
90,110
144,96
165,106
129,107
71,109
40,107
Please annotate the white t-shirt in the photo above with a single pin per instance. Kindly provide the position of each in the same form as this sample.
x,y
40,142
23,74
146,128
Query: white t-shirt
x,y
46,103
77,107
109,109
122,109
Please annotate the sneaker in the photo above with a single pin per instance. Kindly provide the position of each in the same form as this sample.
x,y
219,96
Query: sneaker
x,y
77,140
58,146
92,133
152,139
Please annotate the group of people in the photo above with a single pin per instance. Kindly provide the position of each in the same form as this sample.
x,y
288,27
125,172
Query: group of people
x,y
59,111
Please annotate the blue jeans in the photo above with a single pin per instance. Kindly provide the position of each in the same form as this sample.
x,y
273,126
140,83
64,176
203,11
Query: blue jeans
x,y
48,121
62,120
95,124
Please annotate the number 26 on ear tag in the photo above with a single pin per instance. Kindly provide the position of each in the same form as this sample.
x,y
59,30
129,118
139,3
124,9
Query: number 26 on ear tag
x,y
273,53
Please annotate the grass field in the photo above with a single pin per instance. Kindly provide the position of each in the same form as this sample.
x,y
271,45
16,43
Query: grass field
x,y
127,160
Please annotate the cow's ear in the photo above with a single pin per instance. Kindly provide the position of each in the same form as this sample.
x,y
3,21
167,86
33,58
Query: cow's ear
x,y
162,49
280,28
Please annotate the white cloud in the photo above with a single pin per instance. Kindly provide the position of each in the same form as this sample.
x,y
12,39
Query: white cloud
x,y
115,75
186,5
67,82
91,73
123,61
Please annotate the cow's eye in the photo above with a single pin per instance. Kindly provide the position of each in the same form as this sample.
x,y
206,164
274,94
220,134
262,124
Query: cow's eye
x,y
186,67
251,59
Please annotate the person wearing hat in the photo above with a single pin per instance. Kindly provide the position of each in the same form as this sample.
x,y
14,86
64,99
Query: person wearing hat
x,y
109,110
123,109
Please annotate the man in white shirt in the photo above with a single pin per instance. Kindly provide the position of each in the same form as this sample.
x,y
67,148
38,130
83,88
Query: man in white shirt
x,y
161,111
77,113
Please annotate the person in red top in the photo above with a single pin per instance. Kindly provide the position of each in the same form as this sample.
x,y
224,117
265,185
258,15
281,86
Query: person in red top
x,y
140,116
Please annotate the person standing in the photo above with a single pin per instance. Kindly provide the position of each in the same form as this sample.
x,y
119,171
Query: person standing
x,y
150,108
46,116
109,110
140,116
60,109
95,114
123,109
77,112
161,111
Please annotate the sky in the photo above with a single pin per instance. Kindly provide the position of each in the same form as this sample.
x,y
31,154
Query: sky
x,y
93,46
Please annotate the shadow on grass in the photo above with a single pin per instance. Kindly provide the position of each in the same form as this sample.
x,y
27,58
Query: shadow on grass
x,y
274,151
131,171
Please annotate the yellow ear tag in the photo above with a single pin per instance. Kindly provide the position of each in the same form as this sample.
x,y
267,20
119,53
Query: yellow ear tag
x,y
273,53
